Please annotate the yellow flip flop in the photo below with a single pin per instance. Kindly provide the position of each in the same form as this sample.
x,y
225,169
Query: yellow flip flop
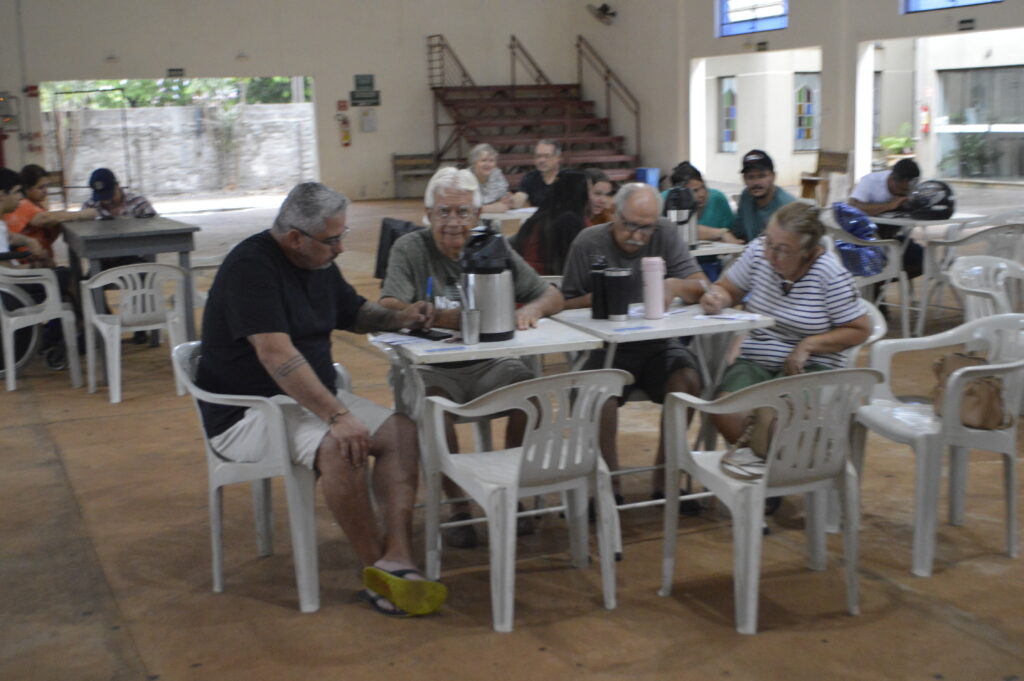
x,y
414,596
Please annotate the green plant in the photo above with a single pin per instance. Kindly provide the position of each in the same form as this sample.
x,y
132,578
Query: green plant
x,y
971,157
900,144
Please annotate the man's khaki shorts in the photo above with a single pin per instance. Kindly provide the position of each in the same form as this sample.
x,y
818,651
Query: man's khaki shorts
x,y
245,440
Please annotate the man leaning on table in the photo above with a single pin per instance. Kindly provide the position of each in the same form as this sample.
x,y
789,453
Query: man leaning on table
x,y
428,259
658,366
267,331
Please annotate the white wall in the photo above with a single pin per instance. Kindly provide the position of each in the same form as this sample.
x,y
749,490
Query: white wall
x,y
651,45
765,112
839,27
330,40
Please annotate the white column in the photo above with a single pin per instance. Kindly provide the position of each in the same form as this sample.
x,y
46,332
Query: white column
x,y
700,134
863,110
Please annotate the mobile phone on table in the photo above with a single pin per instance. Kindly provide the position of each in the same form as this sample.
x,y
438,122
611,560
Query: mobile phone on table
x,y
429,334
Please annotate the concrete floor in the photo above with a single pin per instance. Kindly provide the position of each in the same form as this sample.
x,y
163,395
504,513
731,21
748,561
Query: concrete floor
x,y
105,563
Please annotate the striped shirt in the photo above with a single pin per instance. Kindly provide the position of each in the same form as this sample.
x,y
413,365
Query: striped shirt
x,y
133,205
495,187
821,300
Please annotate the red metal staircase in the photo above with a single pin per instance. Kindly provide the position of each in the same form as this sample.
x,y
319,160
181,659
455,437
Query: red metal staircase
x,y
511,118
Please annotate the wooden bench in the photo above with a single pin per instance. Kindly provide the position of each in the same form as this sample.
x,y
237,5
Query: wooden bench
x,y
410,165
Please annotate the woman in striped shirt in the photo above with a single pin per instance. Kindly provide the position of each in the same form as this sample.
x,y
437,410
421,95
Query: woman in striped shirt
x,y
786,274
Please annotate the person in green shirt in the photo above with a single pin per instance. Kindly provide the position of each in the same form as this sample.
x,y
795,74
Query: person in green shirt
x,y
714,215
760,199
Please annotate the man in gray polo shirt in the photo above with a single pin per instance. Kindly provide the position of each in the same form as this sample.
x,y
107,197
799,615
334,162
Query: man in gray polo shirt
x,y
658,366
453,208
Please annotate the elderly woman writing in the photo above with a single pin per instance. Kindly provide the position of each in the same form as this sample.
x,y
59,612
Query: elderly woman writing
x,y
787,275
483,161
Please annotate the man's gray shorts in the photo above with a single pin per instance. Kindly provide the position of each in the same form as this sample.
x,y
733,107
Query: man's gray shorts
x,y
246,439
465,382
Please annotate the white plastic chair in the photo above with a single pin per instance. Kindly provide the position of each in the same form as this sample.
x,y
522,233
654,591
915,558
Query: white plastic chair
x,y
560,453
300,481
1006,241
143,306
929,435
808,455
988,285
893,271
11,320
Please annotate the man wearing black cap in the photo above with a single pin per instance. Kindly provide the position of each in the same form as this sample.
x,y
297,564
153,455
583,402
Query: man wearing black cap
x,y
110,201
760,199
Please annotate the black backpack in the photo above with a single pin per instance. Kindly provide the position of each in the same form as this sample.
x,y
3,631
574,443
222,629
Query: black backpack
x,y
931,200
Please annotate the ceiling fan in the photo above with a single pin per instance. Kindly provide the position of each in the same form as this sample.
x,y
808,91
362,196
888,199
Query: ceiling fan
x,y
603,13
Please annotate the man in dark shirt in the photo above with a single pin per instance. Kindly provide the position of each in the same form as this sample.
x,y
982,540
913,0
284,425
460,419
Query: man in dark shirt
x,y
536,184
267,331
658,366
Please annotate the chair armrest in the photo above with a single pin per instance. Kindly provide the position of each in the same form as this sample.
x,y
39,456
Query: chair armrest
x,y
958,380
44,277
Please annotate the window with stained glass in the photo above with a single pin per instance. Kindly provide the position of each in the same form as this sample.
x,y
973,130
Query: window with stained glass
x,y
727,114
807,135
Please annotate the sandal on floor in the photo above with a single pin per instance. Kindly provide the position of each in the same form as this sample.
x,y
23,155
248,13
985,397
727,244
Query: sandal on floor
x,y
414,596
374,601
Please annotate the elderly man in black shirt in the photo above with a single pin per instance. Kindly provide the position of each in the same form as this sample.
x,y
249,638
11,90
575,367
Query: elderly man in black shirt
x,y
267,331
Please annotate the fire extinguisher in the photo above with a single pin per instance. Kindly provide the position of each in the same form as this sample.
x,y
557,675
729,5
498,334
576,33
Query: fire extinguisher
x,y
926,120
346,129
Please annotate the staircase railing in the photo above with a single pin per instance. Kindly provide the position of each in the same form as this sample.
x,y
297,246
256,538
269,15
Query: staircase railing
x,y
444,69
613,85
518,54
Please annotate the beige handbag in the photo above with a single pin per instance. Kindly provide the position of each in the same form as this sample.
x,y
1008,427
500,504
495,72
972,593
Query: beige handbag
x,y
982,403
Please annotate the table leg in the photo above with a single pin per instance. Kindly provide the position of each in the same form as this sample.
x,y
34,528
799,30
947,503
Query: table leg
x,y
190,318
609,355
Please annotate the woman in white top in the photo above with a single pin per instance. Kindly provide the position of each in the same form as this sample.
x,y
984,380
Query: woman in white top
x,y
786,274
483,161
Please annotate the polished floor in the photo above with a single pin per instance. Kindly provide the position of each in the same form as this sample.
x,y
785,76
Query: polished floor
x,y
105,563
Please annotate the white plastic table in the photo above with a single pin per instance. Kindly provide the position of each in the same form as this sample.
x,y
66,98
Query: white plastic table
x,y
550,336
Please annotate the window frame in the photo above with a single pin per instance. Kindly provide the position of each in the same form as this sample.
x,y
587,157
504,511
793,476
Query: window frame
x,y
917,6
728,28
722,117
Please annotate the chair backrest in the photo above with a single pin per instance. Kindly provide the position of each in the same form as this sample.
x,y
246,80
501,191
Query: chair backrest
x,y
891,248
12,280
813,412
562,415
390,230
144,299
879,328
989,285
1004,241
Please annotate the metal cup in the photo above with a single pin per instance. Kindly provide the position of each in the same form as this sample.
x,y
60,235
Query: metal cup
x,y
470,326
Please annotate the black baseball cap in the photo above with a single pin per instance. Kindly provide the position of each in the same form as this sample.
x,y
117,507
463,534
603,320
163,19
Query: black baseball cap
x,y
755,159
103,183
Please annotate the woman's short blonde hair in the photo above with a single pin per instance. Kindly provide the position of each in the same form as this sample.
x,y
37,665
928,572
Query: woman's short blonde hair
x,y
801,219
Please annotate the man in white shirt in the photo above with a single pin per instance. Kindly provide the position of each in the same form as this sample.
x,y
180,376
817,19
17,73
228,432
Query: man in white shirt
x,y
886,190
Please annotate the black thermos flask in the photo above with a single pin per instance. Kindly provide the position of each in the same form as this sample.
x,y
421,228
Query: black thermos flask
x,y
599,300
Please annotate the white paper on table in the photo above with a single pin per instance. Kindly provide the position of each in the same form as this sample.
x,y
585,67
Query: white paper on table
x,y
398,339
636,310
734,316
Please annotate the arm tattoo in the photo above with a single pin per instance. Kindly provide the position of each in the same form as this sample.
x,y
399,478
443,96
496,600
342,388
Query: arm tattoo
x,y
373,317
288,366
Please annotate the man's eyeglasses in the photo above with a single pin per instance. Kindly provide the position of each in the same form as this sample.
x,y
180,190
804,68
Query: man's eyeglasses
x,y
633,228
332,241
462,212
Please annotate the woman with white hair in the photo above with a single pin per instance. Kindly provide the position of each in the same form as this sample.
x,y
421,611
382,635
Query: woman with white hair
x,y
483,161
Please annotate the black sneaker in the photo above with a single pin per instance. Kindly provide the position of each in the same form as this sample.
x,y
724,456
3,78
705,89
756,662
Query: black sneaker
x,y
462,537
525,525
56,357
140,338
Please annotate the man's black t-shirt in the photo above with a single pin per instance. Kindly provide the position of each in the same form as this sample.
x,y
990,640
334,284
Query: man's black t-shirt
x,y
534,187
258,290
